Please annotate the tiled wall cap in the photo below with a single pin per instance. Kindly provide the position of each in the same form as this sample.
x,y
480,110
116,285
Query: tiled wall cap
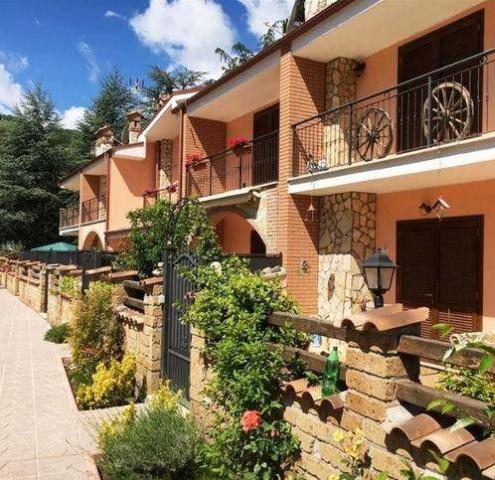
x,y
358,319
481,453
444,440
417,427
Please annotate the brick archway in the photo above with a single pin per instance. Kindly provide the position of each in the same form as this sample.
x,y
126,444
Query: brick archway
x,y
93,242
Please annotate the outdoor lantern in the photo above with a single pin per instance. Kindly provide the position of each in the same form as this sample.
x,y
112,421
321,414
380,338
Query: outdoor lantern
x,y
378,274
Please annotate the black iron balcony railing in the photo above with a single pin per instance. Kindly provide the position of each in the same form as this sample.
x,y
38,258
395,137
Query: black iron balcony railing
x,y
94,210
69,217
254,163
170,193
447,105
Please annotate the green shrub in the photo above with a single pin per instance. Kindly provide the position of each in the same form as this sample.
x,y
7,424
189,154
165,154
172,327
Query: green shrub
x,y
157,442
68,285
149,232
58,333
232,310
11,250
96,336
468,382
110,386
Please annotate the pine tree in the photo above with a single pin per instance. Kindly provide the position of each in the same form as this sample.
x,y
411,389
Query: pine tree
x,y
109,107
168,81
32,159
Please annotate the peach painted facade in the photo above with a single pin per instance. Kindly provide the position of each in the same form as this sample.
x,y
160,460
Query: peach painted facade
x,y
306,226
465,200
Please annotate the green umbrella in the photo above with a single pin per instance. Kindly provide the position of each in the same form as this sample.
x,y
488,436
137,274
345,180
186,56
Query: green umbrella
x,y
56,247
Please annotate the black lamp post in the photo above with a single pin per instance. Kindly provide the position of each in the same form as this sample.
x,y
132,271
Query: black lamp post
x,y
379,272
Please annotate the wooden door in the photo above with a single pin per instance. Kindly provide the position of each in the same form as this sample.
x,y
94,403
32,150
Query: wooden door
x,y
265,145
440,266
459,40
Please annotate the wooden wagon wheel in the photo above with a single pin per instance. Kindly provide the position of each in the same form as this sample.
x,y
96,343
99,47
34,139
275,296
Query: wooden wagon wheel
x,y
374,135
452,112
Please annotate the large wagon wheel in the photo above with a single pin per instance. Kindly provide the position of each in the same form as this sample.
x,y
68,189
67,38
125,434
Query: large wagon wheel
x,y
452,112
374,135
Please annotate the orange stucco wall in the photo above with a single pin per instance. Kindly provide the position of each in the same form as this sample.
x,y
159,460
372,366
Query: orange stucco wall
x,y
242,126
128,181
465,199
89,187
233,232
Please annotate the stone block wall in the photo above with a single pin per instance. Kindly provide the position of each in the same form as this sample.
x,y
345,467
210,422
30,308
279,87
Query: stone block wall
x,y
347,237
59,305
12,278
143,336
35,295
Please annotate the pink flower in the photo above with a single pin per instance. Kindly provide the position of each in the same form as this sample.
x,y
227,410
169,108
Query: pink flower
x,y
172,188
192,159
251,420
238,142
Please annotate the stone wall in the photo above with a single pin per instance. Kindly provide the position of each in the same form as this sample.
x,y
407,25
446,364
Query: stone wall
x,y
143,336
312,7
165,167
347,237
59,304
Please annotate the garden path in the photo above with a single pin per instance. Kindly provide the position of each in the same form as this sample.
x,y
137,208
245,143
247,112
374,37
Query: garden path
x,y
42,435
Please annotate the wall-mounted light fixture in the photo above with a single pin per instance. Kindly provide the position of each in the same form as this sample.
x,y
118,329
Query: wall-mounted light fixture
x,y
439,207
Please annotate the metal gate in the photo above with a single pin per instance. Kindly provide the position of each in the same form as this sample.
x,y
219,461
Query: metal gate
x,y
176,336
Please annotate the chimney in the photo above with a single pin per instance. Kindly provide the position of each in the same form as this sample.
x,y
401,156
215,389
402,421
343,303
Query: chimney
x,y
135,120
104,140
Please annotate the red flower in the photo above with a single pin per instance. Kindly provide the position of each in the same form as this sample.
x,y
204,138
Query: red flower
x,y
251,420
238,142
192,159
172,188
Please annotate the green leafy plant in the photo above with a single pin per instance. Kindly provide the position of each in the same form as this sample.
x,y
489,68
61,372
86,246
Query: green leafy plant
x,y
58,333
156,442
96,336
476,383
110,386
249,440
149,230
67,285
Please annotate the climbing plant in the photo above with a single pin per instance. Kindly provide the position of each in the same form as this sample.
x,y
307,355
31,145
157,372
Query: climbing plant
x,y
250,440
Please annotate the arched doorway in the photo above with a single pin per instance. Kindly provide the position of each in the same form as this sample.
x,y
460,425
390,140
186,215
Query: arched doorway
x,y
93,242
235,234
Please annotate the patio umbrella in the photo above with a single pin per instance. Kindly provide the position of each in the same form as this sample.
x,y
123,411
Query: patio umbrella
x,y
56,247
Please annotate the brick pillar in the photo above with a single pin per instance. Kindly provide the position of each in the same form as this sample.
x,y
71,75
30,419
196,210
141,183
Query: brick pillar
x,y
347,237
165,166
340,89
204,137
302,95
373,369
150,348
43,289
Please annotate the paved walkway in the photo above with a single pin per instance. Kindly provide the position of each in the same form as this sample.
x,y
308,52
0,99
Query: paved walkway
x,y
42,435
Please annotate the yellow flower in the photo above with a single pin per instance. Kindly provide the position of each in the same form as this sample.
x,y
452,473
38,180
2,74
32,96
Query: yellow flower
x,y
334,476
338,435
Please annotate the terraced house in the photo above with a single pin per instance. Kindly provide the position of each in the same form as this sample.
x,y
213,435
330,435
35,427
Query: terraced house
x,y
369,124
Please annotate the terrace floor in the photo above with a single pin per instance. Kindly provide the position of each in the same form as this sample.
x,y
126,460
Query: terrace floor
x,y
42,434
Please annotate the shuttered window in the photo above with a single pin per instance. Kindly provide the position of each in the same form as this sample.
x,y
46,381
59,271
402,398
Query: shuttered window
x,y
440,266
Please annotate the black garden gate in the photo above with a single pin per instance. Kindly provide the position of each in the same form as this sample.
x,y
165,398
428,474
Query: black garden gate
x,y
176,336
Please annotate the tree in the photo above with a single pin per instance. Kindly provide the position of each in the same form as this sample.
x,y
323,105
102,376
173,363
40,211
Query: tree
x,y
168,81
32,159
241,53
109,107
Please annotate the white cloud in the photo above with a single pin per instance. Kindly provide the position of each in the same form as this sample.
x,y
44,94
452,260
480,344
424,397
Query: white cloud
x,y
13,61
187,31
70,118
91,63
10,91
112,14
261,12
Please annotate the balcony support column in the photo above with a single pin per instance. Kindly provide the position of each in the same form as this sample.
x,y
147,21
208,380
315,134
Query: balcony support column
x,y
165,165
347,237
340,89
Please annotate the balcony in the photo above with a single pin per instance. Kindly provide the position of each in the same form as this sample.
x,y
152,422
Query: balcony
x,y
93,210
437,121
69,219
255,163
170,194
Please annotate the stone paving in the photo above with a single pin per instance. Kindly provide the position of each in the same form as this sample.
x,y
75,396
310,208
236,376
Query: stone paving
x,y
42,435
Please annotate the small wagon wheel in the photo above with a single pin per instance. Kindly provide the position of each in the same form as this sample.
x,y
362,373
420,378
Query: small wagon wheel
x,y
374,135
452,112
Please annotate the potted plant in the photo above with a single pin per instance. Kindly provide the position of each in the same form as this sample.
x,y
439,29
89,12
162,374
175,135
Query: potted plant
x,y
238,144
192,160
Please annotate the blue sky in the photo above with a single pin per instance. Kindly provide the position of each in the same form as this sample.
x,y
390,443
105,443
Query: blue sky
x,y
70,44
